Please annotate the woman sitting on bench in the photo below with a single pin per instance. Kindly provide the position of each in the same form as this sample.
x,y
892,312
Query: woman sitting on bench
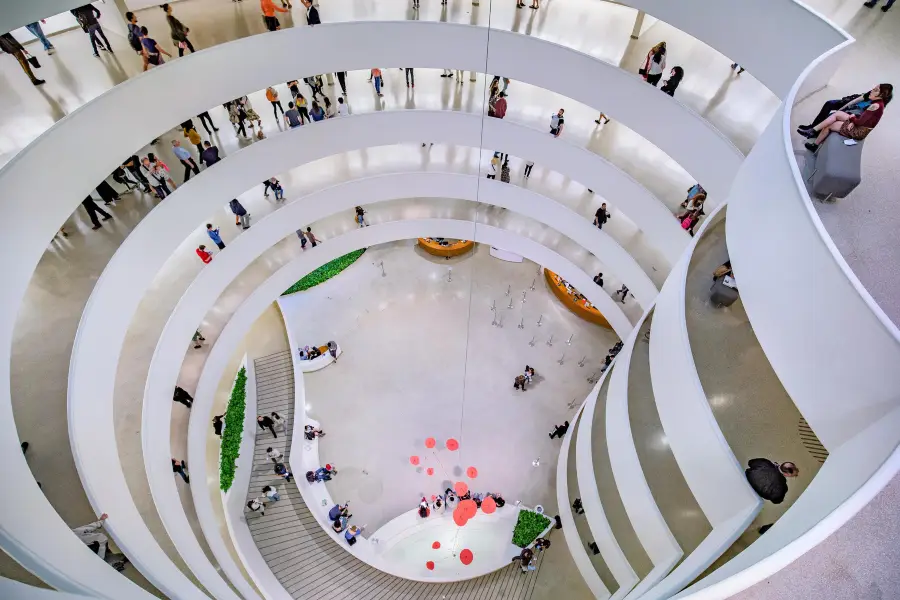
x,y
855,127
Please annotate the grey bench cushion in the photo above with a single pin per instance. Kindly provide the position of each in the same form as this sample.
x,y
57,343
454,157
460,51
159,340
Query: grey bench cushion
x,y
837,167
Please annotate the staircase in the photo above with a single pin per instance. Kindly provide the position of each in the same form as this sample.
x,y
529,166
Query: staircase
x,y
306,561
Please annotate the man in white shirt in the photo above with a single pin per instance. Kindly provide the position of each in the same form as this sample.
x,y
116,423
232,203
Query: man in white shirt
x,y
94,537
343,109
273,454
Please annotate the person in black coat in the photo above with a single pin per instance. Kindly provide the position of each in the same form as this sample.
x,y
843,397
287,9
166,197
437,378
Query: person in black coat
x,y
266,423
559,430
312,13
769,479
107,192
217,425
182,396
92,209
601,216
671,84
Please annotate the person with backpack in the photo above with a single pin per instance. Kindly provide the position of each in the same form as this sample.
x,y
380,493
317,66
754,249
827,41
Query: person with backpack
x,y
135,37
87,16
178,30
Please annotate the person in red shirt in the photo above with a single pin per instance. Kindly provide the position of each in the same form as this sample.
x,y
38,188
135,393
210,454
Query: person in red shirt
x,y
855,127
498,106
204,254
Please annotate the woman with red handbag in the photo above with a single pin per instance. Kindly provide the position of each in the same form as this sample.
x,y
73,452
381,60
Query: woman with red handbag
x,y
11,45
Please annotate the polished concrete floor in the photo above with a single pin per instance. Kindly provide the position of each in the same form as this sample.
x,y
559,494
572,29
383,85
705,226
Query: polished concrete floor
x,y
421,359
581,524
755,414
613,505
674,498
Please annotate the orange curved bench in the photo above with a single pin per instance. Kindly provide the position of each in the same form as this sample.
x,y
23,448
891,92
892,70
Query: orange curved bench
x,y
455,249
574,302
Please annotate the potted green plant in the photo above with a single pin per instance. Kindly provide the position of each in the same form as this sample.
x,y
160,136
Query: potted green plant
x,y
529,526
325,272
234,427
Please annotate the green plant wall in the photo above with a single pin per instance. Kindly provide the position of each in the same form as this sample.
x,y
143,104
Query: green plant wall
x,y
325,272
234,428
528,527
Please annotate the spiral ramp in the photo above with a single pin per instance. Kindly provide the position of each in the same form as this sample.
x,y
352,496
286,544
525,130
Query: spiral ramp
x,y
655,452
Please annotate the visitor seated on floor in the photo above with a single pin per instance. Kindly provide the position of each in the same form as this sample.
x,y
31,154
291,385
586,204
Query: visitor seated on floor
x,y
312,352
350,534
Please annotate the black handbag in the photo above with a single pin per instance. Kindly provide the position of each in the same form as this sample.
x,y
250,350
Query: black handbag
x,y
642,72
33,61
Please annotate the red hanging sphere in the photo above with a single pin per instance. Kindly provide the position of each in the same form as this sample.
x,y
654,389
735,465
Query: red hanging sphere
x,y
466,557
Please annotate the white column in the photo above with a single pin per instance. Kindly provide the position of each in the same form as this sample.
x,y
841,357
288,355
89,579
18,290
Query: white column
x,y
638,23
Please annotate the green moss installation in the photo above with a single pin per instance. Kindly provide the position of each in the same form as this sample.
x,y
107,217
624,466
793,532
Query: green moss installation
x,y
325,272
528,527
234,427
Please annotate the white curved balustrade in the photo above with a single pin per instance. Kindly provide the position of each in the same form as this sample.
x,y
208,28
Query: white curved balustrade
x,y
112,305
643,513
706,460
594,513
794,34
573,541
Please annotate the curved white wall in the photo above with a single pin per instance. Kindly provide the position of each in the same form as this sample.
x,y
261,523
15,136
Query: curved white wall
x,y
594,513
773,39
570,532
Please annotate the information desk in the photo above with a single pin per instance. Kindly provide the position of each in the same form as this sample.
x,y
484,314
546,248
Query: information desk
x,y
573,300
431,246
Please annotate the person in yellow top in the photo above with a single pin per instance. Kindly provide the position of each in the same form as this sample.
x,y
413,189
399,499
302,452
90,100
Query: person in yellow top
x,y
191,134
272,96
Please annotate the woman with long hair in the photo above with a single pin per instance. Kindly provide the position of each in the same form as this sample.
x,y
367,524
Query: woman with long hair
x,y
853,126
671,84
654,64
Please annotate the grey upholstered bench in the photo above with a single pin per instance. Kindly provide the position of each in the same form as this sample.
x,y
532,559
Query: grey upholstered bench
x,y
836,171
